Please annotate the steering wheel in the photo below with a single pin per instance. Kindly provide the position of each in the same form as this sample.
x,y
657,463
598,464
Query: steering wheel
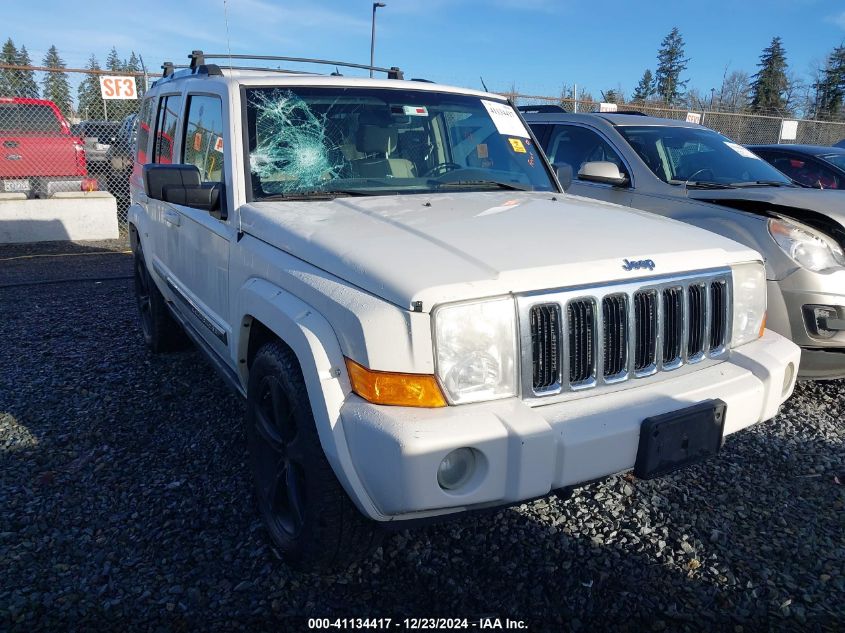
x,y
442,168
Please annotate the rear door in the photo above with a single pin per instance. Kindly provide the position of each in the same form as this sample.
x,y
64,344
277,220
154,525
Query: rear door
x,y
165,220
575,145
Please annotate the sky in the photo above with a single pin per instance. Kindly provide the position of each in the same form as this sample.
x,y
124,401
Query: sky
x,y
536,45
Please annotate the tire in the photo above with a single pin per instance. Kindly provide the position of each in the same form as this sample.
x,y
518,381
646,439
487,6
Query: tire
x,y
161,332
309,516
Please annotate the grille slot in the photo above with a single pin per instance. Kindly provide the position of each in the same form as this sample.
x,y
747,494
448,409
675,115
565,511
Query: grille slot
x,y
545,345
615,314
645,327
718,314
696,310
673,324
582,340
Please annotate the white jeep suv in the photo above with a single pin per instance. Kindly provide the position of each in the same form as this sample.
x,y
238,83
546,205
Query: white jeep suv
x,y
421,322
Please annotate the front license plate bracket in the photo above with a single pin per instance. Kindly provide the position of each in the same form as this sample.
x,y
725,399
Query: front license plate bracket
x,y
677,439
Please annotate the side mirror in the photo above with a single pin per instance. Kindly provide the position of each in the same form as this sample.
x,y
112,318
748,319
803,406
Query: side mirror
x,y
181,184
603,172
564,174
207,196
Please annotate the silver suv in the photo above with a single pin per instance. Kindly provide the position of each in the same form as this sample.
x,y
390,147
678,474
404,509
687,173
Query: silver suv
x,y
688,172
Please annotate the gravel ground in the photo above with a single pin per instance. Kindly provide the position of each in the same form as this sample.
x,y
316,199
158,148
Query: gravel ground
x,y
125,505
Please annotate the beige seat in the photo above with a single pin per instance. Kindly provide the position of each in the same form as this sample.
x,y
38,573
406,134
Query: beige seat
x,y
377,143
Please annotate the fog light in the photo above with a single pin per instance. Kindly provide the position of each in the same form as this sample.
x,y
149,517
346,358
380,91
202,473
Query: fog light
x,y
788,375
817,318
456,468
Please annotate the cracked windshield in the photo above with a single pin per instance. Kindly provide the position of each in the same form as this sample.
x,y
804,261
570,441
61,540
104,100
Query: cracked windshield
x,y
326,142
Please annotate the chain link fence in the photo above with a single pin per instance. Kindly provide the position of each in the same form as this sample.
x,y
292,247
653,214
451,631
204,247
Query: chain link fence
x,y
743,128
52,143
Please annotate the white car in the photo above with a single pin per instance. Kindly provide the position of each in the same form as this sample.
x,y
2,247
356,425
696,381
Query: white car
x,y
421,322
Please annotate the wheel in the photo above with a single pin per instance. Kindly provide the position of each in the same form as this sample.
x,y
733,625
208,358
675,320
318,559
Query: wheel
x,y
309,516
441,168
161,332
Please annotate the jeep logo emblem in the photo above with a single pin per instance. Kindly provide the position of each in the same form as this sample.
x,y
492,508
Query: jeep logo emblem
x,y
637,264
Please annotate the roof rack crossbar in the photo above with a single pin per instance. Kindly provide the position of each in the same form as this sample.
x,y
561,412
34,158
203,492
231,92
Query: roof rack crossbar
x,y
198,57
269,70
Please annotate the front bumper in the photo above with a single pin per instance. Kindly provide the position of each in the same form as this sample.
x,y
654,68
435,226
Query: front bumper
x,y
528,452
821,358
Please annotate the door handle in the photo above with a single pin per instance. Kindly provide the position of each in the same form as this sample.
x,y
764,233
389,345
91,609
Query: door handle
x,y
172,217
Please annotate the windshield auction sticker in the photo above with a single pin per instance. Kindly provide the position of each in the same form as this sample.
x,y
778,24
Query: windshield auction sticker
x,y
517,145
506,120
739,149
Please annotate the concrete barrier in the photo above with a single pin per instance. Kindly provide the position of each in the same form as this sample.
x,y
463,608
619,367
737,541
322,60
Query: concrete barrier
x,y
72,215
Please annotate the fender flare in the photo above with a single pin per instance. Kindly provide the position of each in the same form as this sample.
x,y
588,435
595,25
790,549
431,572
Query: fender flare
x,y
315,344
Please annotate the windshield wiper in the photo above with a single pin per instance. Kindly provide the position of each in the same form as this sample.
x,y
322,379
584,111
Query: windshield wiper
x,y
762,183
701,184
512,186
317,194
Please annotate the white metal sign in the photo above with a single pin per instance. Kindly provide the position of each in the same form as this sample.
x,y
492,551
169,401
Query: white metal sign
x,y
788,130
693,117
114,87
608,107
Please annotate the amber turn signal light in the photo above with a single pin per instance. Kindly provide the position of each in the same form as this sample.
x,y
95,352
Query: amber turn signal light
x,y
401,390
763,324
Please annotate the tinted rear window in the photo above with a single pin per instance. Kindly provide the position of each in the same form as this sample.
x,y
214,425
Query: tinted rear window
x,y
26,118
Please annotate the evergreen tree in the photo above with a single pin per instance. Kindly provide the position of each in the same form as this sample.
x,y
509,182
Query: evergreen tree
x,y
830,87
27,86
670,64
644,89
613,96
55,84
88,95
134,66
113,62
768,90
8,80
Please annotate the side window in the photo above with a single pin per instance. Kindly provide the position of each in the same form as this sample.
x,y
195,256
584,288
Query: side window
x,y
577,145
144,123
203,142
165,139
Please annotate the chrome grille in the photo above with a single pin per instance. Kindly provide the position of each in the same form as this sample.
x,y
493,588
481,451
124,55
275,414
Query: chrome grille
x,y
719,325
615,313
545,345
582,341
584,338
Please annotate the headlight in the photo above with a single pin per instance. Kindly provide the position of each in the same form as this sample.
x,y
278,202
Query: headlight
x,y
475,345
811,249
749,302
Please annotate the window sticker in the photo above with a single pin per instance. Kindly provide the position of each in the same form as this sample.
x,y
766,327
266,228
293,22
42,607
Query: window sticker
x,y
505,119
742,151
415,110
517,145
482,151
218,144
198,142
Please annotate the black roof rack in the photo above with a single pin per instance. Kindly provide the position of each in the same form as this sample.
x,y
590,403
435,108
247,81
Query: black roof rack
x,y
198,59
629,112
539,109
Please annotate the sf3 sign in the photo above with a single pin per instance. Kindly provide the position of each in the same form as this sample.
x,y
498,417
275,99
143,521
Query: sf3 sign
x,y
114,87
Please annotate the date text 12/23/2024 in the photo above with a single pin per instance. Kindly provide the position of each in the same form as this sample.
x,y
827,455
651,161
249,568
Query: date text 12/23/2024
x,y
418,624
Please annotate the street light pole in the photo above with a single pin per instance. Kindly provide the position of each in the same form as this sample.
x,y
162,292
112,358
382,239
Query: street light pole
x,y
376,5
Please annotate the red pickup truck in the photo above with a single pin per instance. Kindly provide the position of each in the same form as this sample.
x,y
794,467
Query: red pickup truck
x,y
38,154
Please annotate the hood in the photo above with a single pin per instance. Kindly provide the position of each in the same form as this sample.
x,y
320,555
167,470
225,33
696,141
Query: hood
x,y
828,202
454,246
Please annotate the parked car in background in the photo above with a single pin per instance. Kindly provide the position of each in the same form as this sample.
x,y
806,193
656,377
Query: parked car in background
x,y
815,166
688,172
120,158
421,324
98,137
39,155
